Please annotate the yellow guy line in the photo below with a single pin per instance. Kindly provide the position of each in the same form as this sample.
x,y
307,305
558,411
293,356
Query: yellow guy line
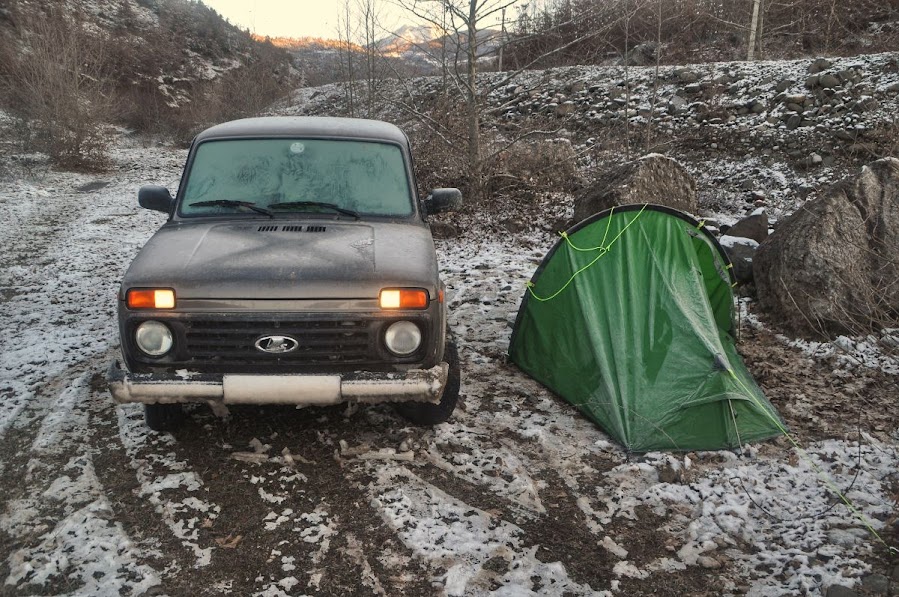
x,y
602,248
802,454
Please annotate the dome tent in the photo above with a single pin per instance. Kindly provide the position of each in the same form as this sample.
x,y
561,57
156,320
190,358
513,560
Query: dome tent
x,y
630,317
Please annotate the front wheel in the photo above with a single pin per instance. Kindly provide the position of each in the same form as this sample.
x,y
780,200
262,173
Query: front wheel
x,y
425,413
163,417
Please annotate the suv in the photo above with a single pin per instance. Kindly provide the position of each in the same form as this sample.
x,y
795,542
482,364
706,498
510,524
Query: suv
x,y
296,267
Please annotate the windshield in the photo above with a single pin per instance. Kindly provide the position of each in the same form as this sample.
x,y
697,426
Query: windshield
x,y
361,176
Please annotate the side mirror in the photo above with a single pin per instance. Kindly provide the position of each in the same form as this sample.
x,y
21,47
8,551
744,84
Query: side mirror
x,y
441,200
156,198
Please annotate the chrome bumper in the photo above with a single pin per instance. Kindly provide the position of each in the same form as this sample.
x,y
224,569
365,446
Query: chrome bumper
x,y
417,385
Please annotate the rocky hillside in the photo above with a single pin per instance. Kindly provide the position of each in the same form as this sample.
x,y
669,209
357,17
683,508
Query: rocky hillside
x,y
763,134
158,55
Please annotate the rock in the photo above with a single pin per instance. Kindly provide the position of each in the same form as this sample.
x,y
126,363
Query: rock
x,y
783,85
829,81
708,562
565,109
667,474
840,591
892,88
754,226
793,122
641,55
687,76
866,104
741,252
676,104
811,82
693,88
845,135
876,583
830,267
811,161
818,65
847,74
654,178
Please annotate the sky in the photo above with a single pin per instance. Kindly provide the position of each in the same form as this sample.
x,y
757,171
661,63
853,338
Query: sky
x,y
309,18
294,18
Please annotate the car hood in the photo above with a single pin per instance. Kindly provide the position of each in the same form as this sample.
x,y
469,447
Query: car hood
x,y
308,259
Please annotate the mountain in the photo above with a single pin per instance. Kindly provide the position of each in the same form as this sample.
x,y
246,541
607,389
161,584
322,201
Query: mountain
x,y
411,50
409,36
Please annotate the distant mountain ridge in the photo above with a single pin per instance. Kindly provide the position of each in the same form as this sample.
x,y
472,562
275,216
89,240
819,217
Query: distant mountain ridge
x,y
410,50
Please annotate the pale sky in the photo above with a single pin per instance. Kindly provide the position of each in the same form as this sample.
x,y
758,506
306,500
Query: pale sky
x,y
294,18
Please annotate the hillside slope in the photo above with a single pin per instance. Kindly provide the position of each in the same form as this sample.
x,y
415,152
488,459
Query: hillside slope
x,y
767,133
156,56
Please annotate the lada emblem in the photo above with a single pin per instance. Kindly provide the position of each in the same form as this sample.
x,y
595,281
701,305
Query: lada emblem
x,y
277,344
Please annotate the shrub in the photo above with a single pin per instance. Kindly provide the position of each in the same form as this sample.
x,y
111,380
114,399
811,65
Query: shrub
x,y
58,87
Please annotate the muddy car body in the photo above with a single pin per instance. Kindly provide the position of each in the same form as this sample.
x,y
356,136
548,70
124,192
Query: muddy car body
x,y
296,267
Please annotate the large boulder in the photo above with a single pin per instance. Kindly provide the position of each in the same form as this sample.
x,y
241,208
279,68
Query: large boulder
x,y
654,178
832,266
641,55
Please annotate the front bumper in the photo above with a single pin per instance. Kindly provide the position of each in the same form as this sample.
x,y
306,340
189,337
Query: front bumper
x,y
417,385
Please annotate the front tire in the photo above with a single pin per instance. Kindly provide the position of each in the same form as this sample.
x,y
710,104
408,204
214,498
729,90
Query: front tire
x,y
163,417
425,413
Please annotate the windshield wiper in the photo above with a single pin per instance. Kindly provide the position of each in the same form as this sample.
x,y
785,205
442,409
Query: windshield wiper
x,y
301,204
232,203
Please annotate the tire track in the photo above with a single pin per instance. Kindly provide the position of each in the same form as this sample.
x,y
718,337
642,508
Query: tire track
x,y
58,524
264,527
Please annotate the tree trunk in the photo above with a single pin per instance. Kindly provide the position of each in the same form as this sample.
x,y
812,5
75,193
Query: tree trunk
x,y
753,30
474,113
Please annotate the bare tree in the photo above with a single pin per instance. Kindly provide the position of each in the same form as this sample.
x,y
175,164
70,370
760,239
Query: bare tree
x,y
368,15
346,34
465,22
753,29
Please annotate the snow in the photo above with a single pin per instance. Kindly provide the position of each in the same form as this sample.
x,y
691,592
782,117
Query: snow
x,y
869,351
437,526
730,242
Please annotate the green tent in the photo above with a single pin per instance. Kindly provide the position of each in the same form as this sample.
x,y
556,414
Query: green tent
x,y
630,318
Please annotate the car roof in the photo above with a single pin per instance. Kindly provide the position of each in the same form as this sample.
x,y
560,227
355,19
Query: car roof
x,y
305,126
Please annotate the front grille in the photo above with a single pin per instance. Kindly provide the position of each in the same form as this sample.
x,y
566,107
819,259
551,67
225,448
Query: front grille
x,y
214,343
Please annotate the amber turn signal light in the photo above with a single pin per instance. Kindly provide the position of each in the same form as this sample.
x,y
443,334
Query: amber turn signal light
x,y
403,298
151,298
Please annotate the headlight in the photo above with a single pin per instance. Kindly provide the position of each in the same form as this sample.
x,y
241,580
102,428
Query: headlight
x,y
403,338
154,338
403,298
150,298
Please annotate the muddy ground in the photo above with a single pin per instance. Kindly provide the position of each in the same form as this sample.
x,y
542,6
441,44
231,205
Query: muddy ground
x,y
516,495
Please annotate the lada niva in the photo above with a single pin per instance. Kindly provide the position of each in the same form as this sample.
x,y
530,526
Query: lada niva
x,y
296,267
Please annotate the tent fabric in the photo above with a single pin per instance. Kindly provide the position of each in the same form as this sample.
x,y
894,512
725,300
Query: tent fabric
x,y
630,318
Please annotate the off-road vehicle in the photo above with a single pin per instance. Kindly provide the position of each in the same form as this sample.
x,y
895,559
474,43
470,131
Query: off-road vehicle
x,y
296,267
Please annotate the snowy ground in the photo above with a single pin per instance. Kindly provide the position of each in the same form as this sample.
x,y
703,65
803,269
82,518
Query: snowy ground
x,y
516,495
